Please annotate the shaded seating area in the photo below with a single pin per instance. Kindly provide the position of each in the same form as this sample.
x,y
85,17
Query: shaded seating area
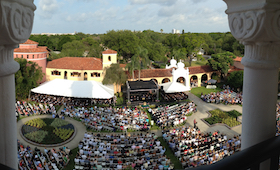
x,y
146,91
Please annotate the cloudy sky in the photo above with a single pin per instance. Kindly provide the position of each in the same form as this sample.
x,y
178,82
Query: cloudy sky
x,y
100,16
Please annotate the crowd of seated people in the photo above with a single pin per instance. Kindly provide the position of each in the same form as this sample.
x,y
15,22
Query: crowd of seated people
x,y
59,100
29,159
24,108
108,118
121,151
171,116
227,96
277,119
194,148
147,97
174,96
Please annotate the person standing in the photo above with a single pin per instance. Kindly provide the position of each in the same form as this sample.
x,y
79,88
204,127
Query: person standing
x,y
194,123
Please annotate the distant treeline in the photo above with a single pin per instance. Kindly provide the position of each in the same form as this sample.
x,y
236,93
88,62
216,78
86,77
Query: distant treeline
x,y
160,46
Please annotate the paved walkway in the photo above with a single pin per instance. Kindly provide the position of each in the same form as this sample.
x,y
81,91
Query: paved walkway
x,y
202,107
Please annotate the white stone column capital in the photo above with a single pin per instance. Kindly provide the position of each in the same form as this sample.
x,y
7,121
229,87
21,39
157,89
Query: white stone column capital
x,y
16,24
256,24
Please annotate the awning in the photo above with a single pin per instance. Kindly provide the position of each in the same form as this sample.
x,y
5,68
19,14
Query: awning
x,y
78,89
174,87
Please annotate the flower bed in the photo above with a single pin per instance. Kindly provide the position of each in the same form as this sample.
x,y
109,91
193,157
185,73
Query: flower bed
x,y
228,118
47,130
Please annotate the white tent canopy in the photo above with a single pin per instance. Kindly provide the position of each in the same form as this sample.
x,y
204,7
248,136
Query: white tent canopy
x,y
174,87
78,89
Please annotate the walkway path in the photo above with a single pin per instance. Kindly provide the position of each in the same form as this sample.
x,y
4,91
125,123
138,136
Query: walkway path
x,y
202,107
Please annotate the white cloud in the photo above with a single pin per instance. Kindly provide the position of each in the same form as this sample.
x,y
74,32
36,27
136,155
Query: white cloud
x,y
47,8
159,2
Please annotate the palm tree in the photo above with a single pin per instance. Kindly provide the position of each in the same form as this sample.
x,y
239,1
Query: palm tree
x,y
141,59
132,65
115,75
161,30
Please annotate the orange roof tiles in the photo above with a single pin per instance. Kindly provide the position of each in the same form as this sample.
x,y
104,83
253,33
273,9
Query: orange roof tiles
x,y
76,63
31,50
30,42
150,73
200,69
122,65
233,68
238,59
109,51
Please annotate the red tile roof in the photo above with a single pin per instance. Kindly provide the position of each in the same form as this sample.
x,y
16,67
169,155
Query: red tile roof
x,y
30,42
122,65
150,73
76,63
238,59
200,69
31,50
233,68
109,51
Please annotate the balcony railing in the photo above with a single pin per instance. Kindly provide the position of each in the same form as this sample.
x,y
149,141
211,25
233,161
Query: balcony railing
x,y
250,158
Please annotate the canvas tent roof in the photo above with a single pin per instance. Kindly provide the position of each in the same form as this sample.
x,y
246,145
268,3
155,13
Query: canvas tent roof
x,y
78,89
174,87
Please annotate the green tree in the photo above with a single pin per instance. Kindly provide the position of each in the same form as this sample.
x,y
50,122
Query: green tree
x,y
132,65
27,77
235,79
179,54
73,49
220,62
114,75
142,59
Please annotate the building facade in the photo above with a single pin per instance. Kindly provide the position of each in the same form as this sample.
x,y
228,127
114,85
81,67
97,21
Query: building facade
x,y
30,51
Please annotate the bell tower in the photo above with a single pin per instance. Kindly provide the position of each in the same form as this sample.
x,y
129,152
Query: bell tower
x,y
109,57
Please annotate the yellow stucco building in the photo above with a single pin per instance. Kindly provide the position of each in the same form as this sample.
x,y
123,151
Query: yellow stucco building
x,y
80,68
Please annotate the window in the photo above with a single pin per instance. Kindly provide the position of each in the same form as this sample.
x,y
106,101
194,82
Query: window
x,y
109,58
21,56
16,56
27,56
37,55
33,56
56,73
75,74
95,74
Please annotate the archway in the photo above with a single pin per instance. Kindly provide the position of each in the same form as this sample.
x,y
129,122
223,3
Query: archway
x,y
65,74
204,79
181,80
165,80
85,76
155,80
194,81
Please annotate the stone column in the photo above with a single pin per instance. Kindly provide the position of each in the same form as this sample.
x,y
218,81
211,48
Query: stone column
x,y
15,27
255,23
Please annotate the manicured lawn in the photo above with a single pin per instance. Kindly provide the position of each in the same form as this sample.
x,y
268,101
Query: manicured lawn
x,y
169,154
198,90
229,118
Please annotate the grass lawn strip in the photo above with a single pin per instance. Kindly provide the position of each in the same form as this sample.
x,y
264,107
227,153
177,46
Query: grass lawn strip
x,y
198,90
169,154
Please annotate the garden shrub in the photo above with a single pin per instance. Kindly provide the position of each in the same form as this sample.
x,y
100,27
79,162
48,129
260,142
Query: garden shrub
x,y
228,118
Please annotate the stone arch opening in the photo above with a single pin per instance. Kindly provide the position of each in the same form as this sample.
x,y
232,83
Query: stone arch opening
x,y
181,80
85,76
65,74
194,81
155,80
204,79
165,80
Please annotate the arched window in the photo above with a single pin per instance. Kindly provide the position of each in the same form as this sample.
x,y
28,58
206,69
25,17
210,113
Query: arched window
x,y
27,56
109,58
21,56
95,74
